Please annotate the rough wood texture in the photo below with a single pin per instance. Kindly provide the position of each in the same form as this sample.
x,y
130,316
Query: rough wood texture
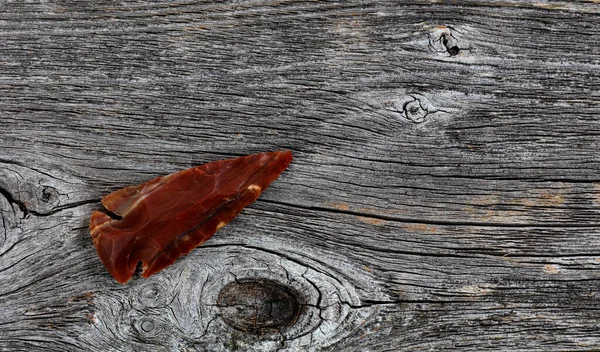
x,y
445,192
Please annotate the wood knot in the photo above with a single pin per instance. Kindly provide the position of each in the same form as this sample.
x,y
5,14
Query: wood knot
x,y
415,107
46,199
234,298
443,39
151,294
48,194
414,111
147,327
259,306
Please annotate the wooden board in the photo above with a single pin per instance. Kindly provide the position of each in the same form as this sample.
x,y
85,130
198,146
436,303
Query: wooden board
x,y
445,191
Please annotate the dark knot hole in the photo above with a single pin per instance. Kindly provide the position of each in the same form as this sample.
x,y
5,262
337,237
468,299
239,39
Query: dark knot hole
x,y
259,306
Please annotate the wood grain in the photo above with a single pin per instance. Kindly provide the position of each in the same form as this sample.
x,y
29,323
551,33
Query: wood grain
x,y
444,192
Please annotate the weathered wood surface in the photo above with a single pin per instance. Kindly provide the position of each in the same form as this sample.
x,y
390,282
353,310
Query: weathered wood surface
x,y
445,192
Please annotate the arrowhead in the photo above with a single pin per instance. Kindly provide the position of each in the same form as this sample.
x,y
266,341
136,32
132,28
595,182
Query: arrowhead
x,y
167,217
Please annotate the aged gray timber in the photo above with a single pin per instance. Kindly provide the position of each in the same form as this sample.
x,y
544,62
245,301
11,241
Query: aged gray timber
x,y
445,192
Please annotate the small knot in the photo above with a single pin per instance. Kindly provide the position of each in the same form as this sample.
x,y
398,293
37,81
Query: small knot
x,y
442,39
48,195
450,43
147,327
414,111
258,306
415,108
151,294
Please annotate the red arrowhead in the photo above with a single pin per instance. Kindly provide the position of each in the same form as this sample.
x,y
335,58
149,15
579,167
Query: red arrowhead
x,y
167,217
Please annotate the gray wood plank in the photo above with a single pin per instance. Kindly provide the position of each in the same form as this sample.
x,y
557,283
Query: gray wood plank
x,y
444,192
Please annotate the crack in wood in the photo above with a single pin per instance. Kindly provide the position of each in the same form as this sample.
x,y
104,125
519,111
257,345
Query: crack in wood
x,y
422,221
24,209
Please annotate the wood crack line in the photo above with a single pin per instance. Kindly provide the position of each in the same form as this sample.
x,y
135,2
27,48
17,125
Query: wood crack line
x,y
402,220
12,200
